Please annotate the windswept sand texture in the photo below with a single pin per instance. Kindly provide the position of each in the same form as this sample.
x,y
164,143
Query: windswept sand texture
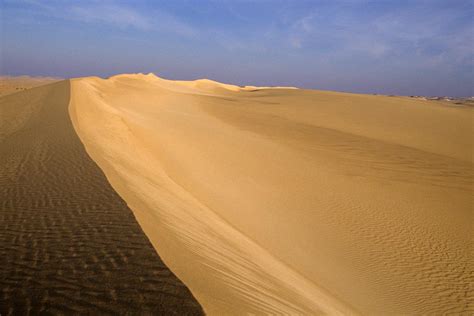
x,y
68,243
285,201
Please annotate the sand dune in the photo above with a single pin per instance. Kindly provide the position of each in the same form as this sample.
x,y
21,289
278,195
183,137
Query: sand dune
x,y
69,245
287,201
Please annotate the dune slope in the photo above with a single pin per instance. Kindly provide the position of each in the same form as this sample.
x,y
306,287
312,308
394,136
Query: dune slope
x,y
68,243
286,201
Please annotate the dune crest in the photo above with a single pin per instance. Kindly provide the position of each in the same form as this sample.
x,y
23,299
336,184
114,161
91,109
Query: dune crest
x,y
203,85
287,201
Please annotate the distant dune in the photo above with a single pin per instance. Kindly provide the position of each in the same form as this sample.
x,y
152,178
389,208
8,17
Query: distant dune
x,y
12,84
261,200
289,201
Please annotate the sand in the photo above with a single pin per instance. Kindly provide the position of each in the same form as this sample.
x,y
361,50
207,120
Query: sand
x,y
289,201
69,245
13,84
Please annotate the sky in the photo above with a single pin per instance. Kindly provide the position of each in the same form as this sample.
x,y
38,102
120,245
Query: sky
x,y
402,47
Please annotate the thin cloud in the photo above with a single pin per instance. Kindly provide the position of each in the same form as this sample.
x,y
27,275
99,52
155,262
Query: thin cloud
x,y
401,33
126,17
111,13
119,16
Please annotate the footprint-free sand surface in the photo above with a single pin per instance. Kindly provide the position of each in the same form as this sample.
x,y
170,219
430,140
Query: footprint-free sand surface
x,y
69,245
275,201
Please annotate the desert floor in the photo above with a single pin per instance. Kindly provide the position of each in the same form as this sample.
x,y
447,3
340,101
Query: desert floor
x,y
260,200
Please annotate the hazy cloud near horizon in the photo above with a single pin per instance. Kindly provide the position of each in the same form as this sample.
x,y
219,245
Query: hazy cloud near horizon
x,y
394,47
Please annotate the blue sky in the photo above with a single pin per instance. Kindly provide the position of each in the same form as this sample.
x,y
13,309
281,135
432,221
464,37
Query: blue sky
x,y
403,47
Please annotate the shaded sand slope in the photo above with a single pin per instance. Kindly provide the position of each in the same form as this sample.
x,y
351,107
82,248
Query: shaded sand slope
x,y
291,201
68,243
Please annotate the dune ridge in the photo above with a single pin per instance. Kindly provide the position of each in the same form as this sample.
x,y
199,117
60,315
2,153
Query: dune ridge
x,y
271,293
288,201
